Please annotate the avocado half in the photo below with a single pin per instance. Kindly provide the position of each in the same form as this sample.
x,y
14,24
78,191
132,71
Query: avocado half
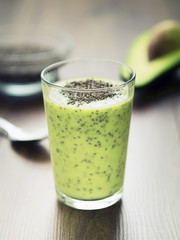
x,y
148,72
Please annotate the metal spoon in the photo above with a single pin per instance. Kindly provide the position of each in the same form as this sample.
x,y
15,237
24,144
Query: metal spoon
x,y
16,134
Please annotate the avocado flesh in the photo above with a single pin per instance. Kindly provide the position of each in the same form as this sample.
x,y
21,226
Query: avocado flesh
x,y
148,71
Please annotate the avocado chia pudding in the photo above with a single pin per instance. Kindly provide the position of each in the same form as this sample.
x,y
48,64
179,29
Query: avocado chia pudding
x,y
88,123
88,135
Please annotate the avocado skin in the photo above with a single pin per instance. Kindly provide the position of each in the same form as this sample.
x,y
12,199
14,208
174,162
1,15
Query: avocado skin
x,y
165,85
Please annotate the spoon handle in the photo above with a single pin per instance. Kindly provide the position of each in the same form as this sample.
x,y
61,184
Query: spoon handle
x,y
6,127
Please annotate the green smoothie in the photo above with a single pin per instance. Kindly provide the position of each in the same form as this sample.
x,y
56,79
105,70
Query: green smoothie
x,y
88,143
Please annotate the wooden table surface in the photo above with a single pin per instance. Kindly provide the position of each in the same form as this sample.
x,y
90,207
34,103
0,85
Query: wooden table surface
x,y
150,208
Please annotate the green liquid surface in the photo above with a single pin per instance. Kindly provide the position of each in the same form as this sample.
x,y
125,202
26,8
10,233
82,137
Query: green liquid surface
x,y
88,148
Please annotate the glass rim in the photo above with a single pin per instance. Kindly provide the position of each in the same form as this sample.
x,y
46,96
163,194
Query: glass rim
x,y
60,63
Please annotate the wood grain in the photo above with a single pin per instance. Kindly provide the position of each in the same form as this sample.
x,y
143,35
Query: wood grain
x,y
86,225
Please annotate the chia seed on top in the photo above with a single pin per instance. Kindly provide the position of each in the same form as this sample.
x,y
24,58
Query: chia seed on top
x,y
83,96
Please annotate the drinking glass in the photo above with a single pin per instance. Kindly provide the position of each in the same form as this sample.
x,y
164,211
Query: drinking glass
x,y
88,105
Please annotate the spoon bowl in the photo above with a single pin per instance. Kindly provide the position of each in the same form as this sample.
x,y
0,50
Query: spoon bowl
x,y
16,134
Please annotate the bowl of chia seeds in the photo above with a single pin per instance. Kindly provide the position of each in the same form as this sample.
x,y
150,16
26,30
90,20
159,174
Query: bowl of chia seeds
x,y
25,50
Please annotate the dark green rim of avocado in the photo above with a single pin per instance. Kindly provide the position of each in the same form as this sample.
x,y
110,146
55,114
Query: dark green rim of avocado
x,y
148,71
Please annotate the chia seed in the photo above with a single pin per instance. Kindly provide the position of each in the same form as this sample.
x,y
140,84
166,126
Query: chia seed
x,y
88,96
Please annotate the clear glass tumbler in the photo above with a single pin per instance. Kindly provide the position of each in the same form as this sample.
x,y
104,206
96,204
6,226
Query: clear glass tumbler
x,y
88,106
